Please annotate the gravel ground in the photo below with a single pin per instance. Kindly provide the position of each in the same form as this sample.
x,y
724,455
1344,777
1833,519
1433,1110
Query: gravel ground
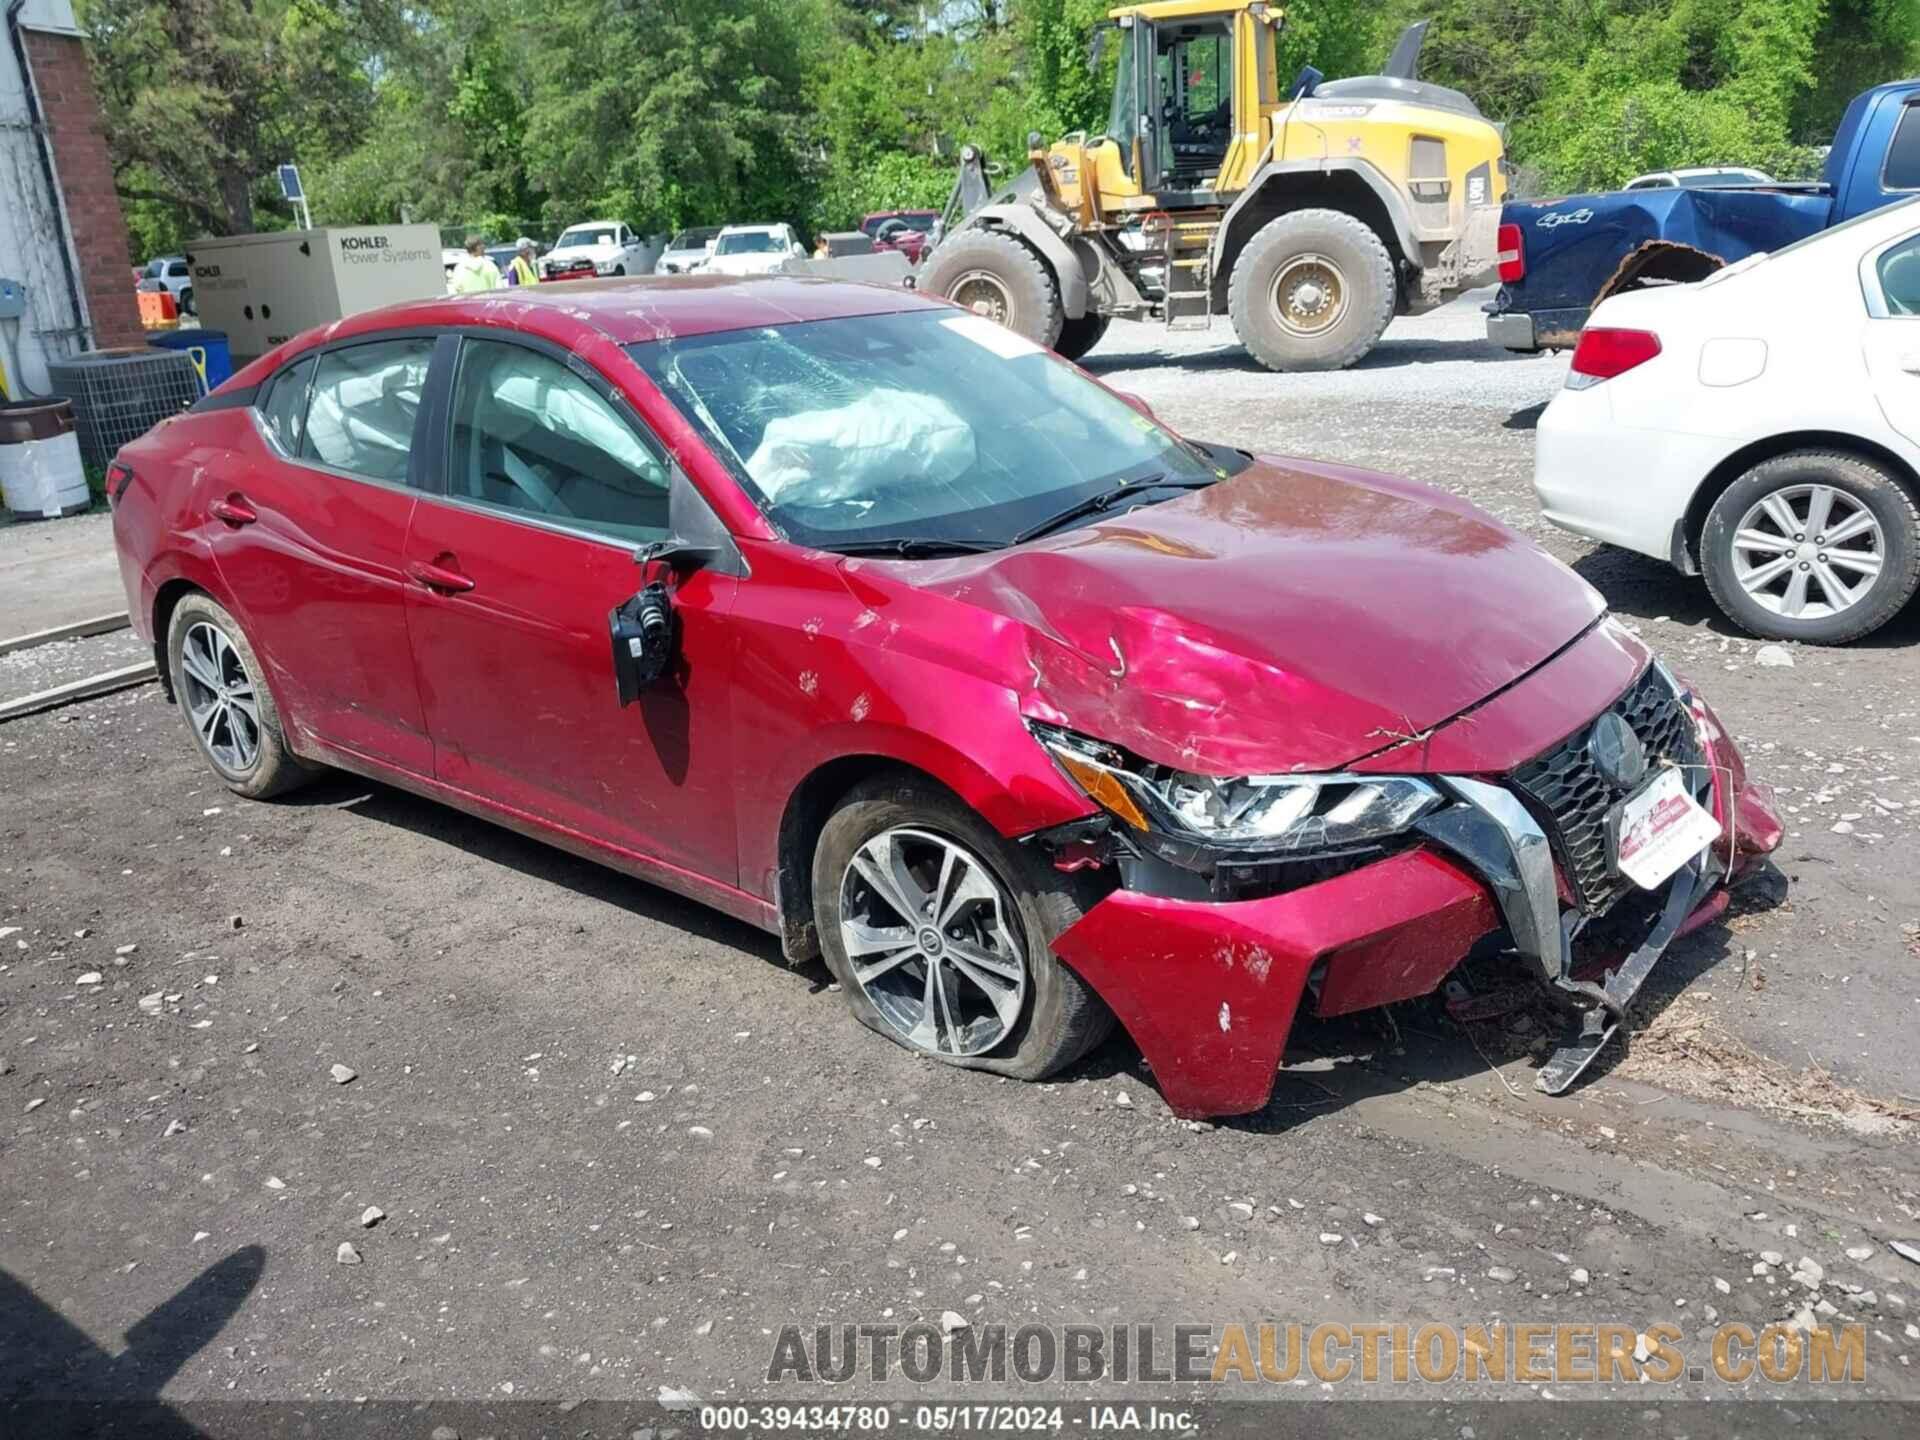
x,y
617,1145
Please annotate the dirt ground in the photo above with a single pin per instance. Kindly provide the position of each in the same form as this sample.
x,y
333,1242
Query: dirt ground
x,y
618,1145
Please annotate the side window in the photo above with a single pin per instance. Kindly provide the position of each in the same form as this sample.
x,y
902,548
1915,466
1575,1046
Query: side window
x,y
365,399
1903,155
529,435
177,269
285,411
1899,271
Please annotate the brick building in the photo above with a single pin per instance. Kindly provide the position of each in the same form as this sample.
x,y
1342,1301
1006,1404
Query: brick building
x,y
62,235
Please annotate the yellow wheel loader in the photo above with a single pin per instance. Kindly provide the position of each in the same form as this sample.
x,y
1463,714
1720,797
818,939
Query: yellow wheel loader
x,y
1310,219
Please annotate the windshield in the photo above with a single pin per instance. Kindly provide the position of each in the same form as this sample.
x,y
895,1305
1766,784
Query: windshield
x,y
692,239
587,235
927,424
746,242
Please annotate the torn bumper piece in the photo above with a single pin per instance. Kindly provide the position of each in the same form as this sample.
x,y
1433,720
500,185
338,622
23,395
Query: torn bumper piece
x,y
1209,991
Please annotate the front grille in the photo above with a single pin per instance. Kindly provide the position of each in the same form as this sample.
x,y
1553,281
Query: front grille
x,y
1572,800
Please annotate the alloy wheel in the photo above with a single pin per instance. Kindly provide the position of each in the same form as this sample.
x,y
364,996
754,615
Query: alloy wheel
x,y
220,697
1309,295
930,939
984,293
1806,552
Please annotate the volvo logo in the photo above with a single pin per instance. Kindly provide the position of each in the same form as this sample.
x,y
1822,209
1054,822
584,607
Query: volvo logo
x,y
1616,752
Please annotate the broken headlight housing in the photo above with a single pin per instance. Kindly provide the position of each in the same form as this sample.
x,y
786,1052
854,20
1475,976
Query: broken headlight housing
x,y
1271,815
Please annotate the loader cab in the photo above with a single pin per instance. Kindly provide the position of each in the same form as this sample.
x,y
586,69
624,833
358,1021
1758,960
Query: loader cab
x,y
1188,97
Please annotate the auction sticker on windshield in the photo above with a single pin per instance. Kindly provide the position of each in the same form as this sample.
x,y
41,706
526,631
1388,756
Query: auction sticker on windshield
x,y
1661,828
992,335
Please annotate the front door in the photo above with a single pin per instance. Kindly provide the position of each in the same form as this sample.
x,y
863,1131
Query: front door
x,y
548,484
307,520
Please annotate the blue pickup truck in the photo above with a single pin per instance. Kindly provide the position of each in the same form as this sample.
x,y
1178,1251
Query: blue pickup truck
x,y
1560,258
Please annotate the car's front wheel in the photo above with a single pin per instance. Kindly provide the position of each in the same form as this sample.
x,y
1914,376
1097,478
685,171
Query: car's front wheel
x,y
1813,545
940,933
218,681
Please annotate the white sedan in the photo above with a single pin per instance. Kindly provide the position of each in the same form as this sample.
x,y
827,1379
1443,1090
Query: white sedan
x,y
753,250
1760,428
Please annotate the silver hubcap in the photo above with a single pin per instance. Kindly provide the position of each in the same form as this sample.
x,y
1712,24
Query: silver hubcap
x,y
220,698
1808,551
1309,295
984,293
930,940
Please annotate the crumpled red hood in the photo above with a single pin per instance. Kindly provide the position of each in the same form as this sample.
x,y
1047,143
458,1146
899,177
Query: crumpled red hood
x,y
1295,617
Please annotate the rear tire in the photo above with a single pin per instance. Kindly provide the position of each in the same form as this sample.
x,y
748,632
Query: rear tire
x,y
221,686
1055,1017
1077,337
997,276
1875,523
1312,290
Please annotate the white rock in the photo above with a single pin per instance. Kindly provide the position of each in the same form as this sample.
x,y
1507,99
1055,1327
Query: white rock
x,y
1373,1219
1190,1222
676,1399
1859,1252
1502,1274
1722,1286
274,1182
342,1073
1773,1257
705,1327
125,949
175,1127
1229,1257
371,1216
1810,1268
952,1321
346,1254
1580,1276
873,1162
1773,657
35,1103
92,977
699,1132
1123,1100
1331,1237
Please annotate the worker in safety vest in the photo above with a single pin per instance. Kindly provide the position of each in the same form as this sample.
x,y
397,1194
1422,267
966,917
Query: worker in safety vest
x,y
521,270
475,272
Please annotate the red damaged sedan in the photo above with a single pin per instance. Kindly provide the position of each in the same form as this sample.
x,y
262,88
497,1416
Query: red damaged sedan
x,y
864,620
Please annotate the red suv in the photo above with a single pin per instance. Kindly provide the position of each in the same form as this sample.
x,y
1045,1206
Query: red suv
x,y
908,231
863,619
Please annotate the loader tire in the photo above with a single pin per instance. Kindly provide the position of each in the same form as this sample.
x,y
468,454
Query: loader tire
x,y
997,276
1077,337
1312,290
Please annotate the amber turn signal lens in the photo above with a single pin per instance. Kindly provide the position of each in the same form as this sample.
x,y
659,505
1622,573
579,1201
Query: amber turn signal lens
x,y
1103,787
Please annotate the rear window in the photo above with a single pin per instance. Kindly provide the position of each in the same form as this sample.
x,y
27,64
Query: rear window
x,y
1903,155
285,412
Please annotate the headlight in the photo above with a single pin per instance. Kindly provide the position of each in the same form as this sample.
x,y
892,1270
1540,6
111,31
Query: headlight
x,y
1263,813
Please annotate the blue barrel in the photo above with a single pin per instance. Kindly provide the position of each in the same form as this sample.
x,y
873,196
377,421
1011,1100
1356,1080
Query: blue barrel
x,y
212,360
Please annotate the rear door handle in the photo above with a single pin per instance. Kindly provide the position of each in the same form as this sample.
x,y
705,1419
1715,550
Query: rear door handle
x,y
439,577
233,510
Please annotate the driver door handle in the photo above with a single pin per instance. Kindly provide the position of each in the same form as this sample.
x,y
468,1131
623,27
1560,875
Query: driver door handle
x,y
442,578
233,510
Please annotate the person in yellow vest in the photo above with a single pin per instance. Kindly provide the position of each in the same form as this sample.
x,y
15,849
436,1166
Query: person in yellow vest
x,y
521,270
475,272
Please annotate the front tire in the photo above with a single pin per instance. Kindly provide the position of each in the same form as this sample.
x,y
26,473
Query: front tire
x,y
223,695
1814,545
620,270
1077,337
996,276
1312,290
971,981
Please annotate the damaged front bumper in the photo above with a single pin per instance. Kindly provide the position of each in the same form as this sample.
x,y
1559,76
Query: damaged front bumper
x,y
1209,990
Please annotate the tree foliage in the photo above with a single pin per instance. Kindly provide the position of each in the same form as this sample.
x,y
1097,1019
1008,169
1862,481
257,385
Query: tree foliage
x,y
498,116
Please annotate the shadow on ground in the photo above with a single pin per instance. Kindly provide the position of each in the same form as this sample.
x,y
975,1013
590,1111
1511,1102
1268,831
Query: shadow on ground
x,y
57,1382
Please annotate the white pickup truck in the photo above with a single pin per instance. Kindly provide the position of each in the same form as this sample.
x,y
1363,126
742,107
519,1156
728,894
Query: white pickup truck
x,y
608,245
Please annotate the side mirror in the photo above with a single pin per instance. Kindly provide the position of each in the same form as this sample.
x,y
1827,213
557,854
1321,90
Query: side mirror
x,y
1305,83
643,631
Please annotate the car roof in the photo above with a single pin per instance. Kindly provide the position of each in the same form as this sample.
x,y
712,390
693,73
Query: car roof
x,y
752,229
624,311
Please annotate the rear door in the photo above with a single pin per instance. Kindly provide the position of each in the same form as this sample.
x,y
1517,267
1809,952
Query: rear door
x,y
546,484
1890,281
307,528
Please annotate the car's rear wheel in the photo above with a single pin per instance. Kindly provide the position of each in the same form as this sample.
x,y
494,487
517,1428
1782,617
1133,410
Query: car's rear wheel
x,y
219,683
940,933
186,301
620,270
1077,337
1813,545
